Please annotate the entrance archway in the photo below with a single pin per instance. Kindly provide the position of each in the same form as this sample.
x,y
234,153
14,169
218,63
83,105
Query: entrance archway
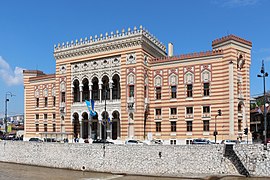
x,y
76,125
115,125
85,124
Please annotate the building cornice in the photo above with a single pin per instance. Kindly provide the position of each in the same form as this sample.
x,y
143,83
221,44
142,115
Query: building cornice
x,y
186,56
108,43
43,77
231,37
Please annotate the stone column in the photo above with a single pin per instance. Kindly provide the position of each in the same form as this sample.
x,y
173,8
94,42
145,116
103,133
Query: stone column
x,y
111,86
90,90
100,91
81,89
81,123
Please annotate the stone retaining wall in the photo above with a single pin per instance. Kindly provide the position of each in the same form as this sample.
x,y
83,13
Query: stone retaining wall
x,y
160,160
255,158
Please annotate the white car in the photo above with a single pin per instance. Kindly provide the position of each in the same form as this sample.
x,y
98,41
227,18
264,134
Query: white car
x,y
134,141
227,141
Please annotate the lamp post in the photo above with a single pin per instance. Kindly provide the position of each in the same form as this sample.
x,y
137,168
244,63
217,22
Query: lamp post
x,y
264,74
215,132
6,100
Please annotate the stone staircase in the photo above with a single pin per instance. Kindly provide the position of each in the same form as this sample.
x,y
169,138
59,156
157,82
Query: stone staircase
x,y
232,156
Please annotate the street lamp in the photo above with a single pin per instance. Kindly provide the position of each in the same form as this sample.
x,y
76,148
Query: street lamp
x,y
215,132
264,74
6,100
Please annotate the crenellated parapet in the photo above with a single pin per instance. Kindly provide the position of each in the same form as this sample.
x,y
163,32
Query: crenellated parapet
x,y
108,42
187,56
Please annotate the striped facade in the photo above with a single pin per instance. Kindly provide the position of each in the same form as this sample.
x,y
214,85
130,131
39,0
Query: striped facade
x,y
148,95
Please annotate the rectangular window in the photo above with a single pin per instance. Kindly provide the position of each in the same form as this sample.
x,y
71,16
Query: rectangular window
x,y
173,111
45,116
46,102
173,126
189,110
158,126
173,141
45,127
158,112
206,109
206,89
131,91
37,116
54,99
37,102
173,91
54,116
189,90
54,127
189,126
63,97
158,92
206,125
37,127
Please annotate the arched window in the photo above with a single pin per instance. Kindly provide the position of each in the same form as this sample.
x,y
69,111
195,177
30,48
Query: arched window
x,y
116,91
85,93
76,91
95,89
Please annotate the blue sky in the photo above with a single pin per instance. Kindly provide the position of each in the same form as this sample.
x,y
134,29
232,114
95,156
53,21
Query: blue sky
x,y
29,29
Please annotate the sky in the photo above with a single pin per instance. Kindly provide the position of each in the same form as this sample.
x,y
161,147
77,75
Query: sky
x,y
29,30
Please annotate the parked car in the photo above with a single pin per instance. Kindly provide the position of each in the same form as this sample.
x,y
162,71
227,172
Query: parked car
x,y
134,141
35,139
102,141
200,141
228,141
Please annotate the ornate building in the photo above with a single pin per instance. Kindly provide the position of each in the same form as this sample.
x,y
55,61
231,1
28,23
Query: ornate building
x,y
145,93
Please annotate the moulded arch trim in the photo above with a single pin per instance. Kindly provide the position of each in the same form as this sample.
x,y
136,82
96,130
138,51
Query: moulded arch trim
x,y
94,76
176,79
85,77
156,81
203,75
131,78
74,79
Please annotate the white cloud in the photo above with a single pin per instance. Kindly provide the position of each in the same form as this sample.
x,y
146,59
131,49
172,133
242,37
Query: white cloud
x,y
236,3
9,76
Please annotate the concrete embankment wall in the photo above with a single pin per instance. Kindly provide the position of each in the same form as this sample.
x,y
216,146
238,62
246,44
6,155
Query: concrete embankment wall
x,y
160,160
255,158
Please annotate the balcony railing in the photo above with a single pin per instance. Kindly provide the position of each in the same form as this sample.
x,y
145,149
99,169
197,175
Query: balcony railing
x,y
189,116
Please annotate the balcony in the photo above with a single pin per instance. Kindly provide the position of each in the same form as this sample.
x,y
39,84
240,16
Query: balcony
x,y
158,117
189,116
206,115
173,116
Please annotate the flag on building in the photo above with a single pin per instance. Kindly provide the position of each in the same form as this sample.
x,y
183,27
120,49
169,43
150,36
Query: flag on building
x,y
91,105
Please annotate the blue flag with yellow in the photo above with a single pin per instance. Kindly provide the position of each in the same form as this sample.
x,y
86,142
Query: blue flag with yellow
x,y
91,105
